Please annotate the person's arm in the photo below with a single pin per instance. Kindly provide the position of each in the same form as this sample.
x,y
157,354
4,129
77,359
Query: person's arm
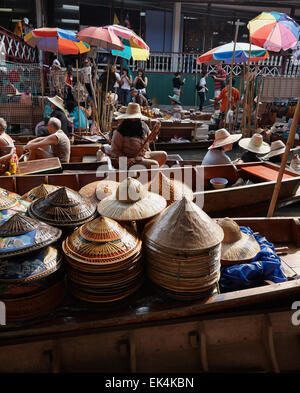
x,y
145,82
135,81
43,141
130,80
221,96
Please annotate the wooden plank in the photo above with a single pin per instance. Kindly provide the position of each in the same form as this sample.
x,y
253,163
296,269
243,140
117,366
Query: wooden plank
x,y
39,166
265,173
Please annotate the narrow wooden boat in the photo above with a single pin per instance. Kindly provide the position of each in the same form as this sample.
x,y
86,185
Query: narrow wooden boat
x,y
251,330
244,200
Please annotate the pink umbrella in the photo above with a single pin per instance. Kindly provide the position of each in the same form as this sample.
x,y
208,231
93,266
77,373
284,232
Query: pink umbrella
x,y
128,34
99,36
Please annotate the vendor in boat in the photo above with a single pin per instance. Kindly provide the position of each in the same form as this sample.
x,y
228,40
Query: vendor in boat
x,y
216,152
57,144
58,111
5,139
253,146
130,137
176,106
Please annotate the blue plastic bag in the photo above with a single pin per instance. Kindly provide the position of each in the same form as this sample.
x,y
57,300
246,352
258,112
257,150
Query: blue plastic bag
x,y
265,266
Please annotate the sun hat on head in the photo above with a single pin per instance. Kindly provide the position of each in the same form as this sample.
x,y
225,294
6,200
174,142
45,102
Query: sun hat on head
x,y
222,138
131,202
133,111
255,144
237,247
57,101
175,98
277,148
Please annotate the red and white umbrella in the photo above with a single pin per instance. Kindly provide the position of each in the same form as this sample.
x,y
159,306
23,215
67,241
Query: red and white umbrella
x,y
101,37
128,34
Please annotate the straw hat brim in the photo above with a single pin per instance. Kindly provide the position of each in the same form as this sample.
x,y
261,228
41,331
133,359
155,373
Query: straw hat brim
x,y
132,116
276,152
241,251
230,139
55,103
145,208
263,149
174,99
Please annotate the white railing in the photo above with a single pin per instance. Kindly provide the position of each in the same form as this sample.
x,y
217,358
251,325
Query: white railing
x,y
187,63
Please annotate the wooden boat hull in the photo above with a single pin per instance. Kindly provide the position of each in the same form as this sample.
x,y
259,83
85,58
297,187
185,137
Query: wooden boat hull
x,y
151,334
232,201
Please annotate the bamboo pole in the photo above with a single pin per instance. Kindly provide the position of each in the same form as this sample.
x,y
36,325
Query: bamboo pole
x,y
284,159
42,87
78,94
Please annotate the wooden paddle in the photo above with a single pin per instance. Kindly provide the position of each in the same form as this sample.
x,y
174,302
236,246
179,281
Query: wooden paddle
x,y
152,133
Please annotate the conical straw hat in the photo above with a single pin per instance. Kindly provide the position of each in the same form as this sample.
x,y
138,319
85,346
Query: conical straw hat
x,y
237,247
102,241
171,190
5,192
99,189
64,208
131,202
38,192
20,235
184,226
255,144
7,201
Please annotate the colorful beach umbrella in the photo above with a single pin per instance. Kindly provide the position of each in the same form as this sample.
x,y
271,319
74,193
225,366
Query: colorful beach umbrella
x,y
103,38
225,53
134,46
296,51
274,31
56,40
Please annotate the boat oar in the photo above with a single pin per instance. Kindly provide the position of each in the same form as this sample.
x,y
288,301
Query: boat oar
x,y
149,137
284,159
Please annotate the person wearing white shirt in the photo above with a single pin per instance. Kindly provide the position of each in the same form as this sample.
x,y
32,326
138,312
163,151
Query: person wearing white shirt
x,y
117,84
86,76
202,89
126,82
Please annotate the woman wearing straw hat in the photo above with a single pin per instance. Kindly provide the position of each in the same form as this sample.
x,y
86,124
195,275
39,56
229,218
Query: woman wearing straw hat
x,y
276,152
222,143
254,146
130,137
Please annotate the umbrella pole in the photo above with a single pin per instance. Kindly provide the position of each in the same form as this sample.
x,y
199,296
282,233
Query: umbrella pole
x,y
42,87
284,159
78,94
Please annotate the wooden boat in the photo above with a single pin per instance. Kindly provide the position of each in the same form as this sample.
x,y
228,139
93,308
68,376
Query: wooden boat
x,y
232,201
251,330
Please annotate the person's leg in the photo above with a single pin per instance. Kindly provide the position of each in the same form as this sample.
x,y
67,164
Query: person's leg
x,y
202,95
216,104
127,97
123,97
147,163
159,156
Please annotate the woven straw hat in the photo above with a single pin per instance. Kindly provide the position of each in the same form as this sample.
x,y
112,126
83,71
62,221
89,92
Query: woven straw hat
x,y
131,202
5,192
38,192
99,189
255,144
237,247
20,235
133,111
7,201
184,226
222,138
57,101
172,190
63,208
121,110
277,148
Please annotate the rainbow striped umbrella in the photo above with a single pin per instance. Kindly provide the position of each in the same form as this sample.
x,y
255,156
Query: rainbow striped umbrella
x,y
56,40
225,53
274,31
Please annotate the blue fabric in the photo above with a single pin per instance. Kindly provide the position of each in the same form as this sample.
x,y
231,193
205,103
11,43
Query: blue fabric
x,y
265,266
83,119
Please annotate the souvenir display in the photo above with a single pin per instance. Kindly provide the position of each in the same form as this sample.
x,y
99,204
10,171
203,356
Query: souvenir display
x,y
131,202
99,189
183,250
237,247
29,273
172,190
38,192
20,235
104,261
63,208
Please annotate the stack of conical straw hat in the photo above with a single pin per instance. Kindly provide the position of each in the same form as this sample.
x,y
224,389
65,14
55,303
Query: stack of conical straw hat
x,y
10,204
38,192
31,274
63,208
183,249
104,261
172,190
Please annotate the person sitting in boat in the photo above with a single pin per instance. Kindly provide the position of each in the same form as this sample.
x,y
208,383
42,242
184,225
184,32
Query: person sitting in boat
x,y
5,139
72,108
130,137
58,111
176,106
276,153
216,152
253,146
138,97
57,144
